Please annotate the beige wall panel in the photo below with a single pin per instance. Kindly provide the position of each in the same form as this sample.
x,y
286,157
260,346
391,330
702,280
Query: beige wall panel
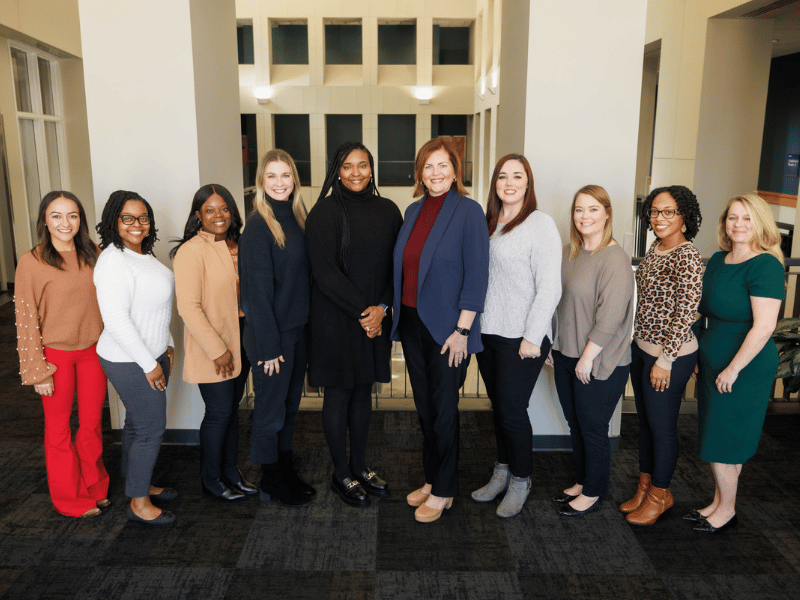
x,y
54,22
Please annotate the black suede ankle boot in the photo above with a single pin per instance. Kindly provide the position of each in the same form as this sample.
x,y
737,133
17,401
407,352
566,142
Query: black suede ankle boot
x,y
290,476
275,486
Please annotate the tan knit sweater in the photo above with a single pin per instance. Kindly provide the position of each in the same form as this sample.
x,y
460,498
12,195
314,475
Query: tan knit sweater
x,y
57,309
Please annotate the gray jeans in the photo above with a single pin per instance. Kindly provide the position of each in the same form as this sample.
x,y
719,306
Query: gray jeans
x,y
145,421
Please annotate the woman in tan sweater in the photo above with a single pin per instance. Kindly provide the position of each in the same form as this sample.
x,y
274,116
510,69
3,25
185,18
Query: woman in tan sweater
x,y
207,290
58,324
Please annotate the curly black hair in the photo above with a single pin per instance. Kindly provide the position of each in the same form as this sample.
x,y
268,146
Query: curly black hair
x,y
108,227
688,206
193,223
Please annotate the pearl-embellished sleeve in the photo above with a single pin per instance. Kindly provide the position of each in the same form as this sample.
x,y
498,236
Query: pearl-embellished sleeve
x,y
33,368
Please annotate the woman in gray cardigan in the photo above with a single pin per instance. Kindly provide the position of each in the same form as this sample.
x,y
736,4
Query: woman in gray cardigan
x,y
524,288
592,345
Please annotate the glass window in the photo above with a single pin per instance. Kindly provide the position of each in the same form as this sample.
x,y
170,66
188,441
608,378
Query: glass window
x,y
30,168
450,45
340,129
21,80
244,40
53,160
289,44
342,44
292,134
396,149
46,84
397,44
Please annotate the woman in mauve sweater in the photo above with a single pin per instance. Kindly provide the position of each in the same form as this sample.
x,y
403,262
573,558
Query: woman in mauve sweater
x,y
207,289
592,345
275,286
58,324
135,291
516,324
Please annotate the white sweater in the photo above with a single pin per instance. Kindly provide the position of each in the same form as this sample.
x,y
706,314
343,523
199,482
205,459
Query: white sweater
x,y
135,293
524,280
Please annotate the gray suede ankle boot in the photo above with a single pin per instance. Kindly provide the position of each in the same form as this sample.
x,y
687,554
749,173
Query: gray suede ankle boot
x,y
497,484
514,500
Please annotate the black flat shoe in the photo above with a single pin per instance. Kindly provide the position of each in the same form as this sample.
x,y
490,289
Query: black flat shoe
x,y
241,485
166,494
563,498
567,511
165,518
351,492
274,486
372,484
227,494
704,526
693,517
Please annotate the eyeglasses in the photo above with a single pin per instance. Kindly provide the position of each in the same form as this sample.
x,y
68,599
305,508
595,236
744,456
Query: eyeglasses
x,y
129,219
667,212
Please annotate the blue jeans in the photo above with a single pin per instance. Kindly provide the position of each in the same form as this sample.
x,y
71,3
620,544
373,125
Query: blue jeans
x,y
588,408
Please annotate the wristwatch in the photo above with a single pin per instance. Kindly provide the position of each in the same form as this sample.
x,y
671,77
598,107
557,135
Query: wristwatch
x,y
462,330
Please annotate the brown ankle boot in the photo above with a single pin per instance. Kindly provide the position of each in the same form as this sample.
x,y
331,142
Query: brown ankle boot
x,y
657,503
641,491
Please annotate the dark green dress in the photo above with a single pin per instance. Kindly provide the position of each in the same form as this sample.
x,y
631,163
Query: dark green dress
x,y
729,424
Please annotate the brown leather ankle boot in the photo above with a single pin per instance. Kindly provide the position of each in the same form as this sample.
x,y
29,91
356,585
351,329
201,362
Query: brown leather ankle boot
x,y
657,503
641,491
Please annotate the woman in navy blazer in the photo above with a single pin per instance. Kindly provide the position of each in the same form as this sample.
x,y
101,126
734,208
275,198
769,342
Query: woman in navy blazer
x,y
441,272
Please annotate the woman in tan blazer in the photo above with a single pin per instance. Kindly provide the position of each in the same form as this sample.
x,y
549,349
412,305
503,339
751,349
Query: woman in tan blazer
x,y
207,290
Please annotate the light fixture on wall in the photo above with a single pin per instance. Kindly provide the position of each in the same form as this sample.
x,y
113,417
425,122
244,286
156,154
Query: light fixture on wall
x,y
494,78
262,93
423,94
482,88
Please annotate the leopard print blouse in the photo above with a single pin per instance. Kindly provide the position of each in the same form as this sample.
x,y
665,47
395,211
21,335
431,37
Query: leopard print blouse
x,y
669,285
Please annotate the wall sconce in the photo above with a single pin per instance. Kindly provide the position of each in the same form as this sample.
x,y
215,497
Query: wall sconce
x,y
262,93
482,88
495,76
423,94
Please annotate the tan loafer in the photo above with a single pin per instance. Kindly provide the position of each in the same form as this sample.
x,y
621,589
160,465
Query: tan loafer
x,y
427,514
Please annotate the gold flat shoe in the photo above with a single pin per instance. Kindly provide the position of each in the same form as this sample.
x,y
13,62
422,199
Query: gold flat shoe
x,y
417,497
92,512
426,514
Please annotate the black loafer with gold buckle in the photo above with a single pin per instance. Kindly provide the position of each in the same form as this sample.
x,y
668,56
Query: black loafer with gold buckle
x,y
351,492
372,484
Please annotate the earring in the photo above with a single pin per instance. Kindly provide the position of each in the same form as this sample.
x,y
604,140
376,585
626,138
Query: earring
x,y
683,228
340,178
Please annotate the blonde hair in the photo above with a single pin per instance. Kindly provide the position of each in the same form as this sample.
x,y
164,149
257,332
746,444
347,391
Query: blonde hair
x,y
766,238
261,204
575,238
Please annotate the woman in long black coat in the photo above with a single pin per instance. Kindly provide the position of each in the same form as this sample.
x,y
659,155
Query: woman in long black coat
x,y
350,236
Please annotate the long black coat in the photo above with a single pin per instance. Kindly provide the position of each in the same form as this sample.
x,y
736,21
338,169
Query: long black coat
x,y
340,353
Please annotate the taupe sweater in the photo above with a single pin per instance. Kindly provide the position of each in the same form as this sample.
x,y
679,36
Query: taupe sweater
x,y
596,304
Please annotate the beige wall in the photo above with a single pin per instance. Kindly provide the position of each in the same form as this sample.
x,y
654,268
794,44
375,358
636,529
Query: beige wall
x,y
52,27
152,109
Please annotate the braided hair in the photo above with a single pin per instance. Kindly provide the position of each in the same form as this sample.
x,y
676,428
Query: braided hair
x,y
334,185
688,206
194,224
108,228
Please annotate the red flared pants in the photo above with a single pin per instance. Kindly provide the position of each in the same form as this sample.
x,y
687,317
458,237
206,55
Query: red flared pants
x,y
75,472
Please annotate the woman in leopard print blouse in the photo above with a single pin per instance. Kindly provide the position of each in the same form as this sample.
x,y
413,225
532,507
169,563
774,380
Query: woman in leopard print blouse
x,y
664,351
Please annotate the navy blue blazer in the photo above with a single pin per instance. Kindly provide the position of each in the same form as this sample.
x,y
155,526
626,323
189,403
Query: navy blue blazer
x,y
453,268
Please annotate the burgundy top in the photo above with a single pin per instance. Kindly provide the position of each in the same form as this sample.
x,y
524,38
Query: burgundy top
x,y
413,250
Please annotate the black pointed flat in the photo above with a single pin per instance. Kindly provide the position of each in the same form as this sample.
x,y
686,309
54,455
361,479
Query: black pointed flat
x,y
566,509
563,498
693,517
705,527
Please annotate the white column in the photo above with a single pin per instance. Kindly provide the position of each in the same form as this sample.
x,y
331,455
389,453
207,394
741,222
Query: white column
x,y
163,113
581,125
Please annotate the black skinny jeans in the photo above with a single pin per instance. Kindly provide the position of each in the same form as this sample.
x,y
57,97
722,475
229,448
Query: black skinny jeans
x,y
658,414
343,409
588,408
509,383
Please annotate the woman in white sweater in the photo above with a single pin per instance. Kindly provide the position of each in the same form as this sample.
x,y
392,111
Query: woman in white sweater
x,y
524,289
134,291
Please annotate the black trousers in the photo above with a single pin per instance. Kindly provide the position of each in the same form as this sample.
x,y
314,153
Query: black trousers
x,y
435,386
277,400
509,383
346,409
658,414
219,431
588,408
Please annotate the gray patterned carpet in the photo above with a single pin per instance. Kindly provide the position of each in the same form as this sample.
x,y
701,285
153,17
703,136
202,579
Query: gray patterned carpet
x,y
329,550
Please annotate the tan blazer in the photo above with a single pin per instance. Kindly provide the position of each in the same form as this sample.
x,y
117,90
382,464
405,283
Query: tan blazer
x,y
205,286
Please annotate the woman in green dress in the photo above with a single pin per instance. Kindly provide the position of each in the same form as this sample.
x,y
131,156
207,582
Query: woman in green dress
x,y
743,287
